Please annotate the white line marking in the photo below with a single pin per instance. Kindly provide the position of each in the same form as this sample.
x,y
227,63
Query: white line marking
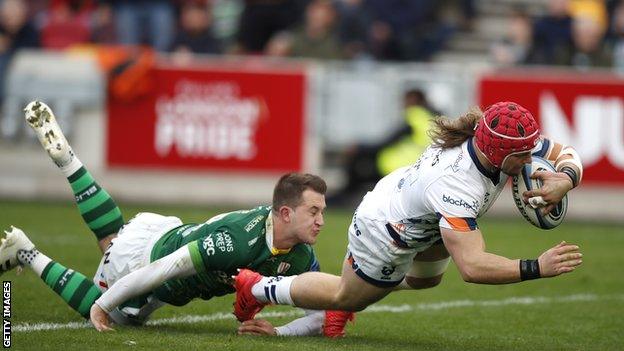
x,y
377,308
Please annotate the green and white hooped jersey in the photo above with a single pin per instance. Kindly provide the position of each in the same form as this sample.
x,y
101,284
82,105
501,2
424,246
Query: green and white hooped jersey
x,y
239,239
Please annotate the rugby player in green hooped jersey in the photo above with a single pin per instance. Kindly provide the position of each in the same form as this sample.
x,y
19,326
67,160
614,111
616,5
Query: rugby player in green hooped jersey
x,y
155,260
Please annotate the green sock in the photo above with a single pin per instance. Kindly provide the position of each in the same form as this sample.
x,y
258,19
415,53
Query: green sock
x,y
96,207
74,288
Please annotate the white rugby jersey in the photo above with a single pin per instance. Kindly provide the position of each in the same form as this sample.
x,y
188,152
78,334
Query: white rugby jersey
x,y
445,188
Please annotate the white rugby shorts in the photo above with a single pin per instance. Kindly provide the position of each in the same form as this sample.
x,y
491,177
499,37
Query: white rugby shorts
x,y
375,257
130,251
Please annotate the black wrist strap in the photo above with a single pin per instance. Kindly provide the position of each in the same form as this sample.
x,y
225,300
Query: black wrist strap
x,y
571,173
529,269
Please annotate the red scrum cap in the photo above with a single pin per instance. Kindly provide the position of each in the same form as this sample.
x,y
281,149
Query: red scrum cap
x,y
506,128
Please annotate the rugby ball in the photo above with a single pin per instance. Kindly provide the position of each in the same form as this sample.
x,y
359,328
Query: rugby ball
x,y
523,182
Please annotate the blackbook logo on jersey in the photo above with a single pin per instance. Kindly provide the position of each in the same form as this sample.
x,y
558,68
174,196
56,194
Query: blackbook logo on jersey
x,y
460,202
6,314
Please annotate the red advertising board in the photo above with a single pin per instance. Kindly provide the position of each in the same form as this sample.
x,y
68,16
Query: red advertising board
x,y
212,118
578,109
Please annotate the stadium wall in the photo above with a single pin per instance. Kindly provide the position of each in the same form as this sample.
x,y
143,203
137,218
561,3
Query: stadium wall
x,y
292,114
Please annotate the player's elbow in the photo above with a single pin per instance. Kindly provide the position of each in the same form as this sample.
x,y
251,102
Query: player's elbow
x,y
469,274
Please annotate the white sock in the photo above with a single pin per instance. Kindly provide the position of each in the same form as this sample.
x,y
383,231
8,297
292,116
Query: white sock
x,y
36,260
274,290
71,166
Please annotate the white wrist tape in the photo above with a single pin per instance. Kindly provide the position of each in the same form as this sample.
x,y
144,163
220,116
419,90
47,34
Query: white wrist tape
x,y
574,161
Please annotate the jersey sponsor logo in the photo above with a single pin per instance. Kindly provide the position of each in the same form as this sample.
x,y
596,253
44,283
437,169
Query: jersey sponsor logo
x,y
252,241
224,242
208,246
253,223
460,203
283,267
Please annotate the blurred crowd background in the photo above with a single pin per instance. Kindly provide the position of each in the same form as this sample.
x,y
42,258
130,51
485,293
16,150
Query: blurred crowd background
x,y
380,71
583,33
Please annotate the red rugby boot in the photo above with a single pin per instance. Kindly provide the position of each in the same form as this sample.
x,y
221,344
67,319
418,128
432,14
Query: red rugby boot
x,y
335,322
246,305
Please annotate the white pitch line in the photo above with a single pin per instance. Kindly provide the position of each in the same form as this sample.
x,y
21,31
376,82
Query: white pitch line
x,y
377,308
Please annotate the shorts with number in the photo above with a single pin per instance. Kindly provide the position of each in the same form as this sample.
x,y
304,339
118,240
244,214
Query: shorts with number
x,y
375,257
130,251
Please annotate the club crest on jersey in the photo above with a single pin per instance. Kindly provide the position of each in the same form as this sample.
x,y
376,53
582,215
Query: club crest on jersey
x,y
283,267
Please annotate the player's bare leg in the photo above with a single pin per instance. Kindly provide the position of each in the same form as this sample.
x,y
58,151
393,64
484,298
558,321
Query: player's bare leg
x,y
427,270
322,291
339,296
96,207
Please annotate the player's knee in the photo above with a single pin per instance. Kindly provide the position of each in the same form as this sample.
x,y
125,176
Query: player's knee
x,y
423,283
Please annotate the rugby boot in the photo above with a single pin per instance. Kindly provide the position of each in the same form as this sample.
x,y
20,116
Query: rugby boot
x,y
14,242
41,119
335,322
246,305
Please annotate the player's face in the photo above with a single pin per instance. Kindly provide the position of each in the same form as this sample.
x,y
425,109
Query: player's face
x,y
512,165
307,218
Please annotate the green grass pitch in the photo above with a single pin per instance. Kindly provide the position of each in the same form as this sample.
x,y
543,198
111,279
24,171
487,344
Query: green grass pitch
x,y
580,311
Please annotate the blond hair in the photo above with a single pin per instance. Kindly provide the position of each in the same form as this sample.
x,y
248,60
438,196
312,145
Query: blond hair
x,y
451,132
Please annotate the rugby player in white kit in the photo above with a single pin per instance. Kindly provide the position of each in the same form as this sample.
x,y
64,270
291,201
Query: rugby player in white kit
x,y
406,229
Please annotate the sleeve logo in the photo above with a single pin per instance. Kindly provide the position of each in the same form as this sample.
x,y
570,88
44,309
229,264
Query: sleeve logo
x,y
461,203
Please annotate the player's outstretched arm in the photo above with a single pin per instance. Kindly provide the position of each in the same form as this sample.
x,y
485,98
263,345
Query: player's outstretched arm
x,y
481,267
176,265
257,327
562,258
309,325
99,319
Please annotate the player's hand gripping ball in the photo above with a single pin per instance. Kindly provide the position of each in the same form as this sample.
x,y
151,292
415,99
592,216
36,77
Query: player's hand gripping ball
x,y
532,210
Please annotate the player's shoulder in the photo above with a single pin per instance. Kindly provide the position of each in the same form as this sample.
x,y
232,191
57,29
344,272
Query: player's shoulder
x,y
451,167
459,181
302,259
241,222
